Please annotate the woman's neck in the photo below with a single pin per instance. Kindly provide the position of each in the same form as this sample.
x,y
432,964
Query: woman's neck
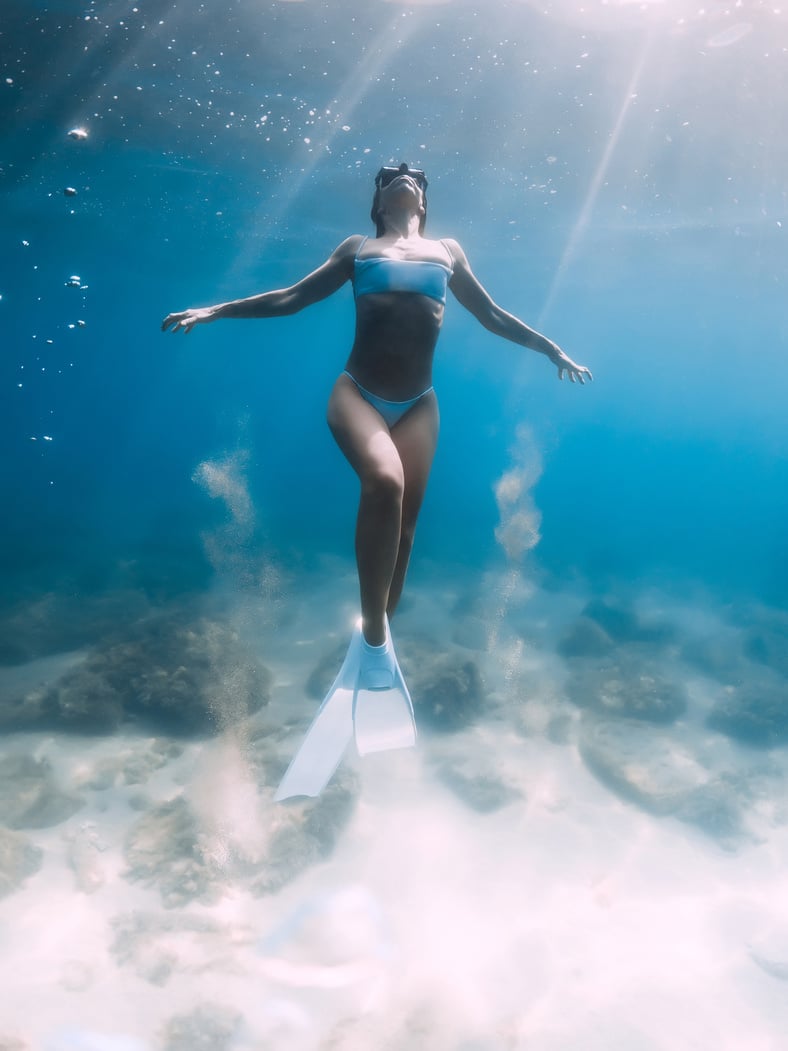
x,y
400,223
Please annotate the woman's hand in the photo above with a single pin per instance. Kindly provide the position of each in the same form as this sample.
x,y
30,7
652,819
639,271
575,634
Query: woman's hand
x,y
564,364
185,320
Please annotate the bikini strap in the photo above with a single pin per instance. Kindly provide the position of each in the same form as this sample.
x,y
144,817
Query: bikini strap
x,y
355,257
448,253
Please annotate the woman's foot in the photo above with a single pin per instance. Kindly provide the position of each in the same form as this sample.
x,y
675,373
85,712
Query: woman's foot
x,y
374,631
377,665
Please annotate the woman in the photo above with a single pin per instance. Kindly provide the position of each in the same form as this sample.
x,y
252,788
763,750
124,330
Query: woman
x,y
383,411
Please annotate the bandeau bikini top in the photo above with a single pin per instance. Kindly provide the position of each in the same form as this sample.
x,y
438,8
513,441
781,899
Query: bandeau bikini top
x,y
380,274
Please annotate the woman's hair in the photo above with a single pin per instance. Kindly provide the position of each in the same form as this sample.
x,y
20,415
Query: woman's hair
x,y
374,214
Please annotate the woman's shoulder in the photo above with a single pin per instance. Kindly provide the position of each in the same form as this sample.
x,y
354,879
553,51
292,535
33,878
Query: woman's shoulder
x,y
454,248
350,245
345,252
354,242
450,247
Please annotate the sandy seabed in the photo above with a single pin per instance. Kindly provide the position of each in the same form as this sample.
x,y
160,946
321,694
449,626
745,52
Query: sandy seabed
x,y
546,877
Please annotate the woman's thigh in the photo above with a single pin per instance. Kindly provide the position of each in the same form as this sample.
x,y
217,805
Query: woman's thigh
x,y
362,435
416,438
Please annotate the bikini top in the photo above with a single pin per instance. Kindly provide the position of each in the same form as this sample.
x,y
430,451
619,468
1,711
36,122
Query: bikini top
x,y
380,274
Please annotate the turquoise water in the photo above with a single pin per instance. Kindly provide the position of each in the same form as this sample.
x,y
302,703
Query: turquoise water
x,y
588,842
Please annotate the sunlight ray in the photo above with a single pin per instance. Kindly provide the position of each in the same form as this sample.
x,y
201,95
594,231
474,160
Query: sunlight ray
x,y
392,36
583,219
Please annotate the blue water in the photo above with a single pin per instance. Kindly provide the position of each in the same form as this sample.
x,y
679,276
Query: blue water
x,y
615,174
638,197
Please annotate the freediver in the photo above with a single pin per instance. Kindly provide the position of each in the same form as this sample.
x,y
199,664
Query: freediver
x,y
383,413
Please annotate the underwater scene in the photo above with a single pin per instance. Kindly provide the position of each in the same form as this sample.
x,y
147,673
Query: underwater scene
x,y
587,848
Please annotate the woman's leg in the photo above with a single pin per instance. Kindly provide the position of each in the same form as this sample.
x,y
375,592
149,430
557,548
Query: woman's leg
x,y
393,468
364,439
415,438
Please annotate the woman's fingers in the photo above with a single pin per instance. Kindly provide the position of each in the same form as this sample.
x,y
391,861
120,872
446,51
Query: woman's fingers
x,y
575,373
176,321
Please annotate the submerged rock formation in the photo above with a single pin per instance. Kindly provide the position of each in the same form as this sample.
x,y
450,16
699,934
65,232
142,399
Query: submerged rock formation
x,y
475,781
30,796
754,711
57,622
210,1027
168,847
157,946
176,673
766,641
623,624
445,685
640,764
626,684
306,834
132,762
162,848
585,638
19,858
659,772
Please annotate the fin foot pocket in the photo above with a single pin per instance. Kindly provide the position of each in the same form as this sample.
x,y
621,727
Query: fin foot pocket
x,y
382,708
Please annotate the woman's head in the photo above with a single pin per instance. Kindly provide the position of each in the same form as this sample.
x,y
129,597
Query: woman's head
x,y
383,179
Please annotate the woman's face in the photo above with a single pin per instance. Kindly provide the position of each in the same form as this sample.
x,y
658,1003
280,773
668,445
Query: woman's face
x,y
402,192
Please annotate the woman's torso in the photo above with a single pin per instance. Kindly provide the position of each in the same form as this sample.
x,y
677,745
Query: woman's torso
x,y
400,289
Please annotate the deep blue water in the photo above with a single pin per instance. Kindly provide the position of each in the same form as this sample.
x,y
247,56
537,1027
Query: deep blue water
x,y
615,177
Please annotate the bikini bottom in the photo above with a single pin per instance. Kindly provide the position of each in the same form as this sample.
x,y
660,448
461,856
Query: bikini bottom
x,y
391,411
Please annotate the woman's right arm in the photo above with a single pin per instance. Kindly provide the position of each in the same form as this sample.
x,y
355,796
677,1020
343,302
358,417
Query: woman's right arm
x,y
320,284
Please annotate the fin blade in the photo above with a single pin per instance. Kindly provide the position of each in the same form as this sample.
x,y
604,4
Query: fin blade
x,y
329,733
383,720
322,749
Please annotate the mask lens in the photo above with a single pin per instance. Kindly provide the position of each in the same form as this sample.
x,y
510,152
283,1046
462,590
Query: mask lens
x,y
386,175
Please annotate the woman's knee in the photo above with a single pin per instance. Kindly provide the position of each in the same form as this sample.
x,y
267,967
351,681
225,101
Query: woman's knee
x,y
383,481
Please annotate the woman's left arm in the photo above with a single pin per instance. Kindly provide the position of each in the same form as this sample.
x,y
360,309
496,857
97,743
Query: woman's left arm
x,y
474,297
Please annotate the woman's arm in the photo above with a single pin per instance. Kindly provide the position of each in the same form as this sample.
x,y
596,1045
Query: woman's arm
x,y
475,298
320,284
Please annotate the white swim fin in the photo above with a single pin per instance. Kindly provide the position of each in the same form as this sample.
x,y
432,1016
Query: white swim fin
x,y
329,734
382,709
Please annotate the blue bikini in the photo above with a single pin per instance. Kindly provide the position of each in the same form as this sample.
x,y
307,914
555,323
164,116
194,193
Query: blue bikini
x,y
424,277
391,411
381,274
